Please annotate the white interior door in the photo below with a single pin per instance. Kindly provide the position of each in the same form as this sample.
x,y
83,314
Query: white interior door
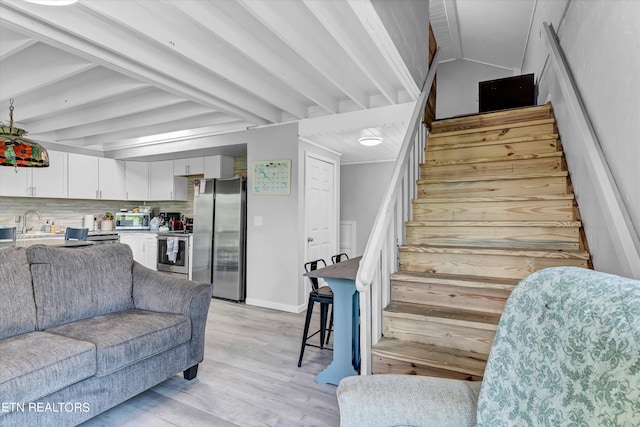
x,y
320,209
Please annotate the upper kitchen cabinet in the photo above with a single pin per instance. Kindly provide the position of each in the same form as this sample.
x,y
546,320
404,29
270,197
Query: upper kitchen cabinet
x,y
111,179
218,167
49,182
96,178
193,166
163,185
83,176
137,180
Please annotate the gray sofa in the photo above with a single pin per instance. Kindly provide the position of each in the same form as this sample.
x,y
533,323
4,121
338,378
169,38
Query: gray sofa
x,y
84,329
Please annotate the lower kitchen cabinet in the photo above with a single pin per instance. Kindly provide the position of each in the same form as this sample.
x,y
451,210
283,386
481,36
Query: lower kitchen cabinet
x,y
144,247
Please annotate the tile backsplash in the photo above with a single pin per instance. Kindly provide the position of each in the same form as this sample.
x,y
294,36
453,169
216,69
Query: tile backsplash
x,y
70,212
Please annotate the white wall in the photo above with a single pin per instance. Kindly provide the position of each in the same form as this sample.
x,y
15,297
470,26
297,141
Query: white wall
x,y
407,22
275,249
457,86
273,258
601,40
362,188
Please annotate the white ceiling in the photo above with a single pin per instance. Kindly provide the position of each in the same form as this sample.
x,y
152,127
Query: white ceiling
x,y
492,32
110,75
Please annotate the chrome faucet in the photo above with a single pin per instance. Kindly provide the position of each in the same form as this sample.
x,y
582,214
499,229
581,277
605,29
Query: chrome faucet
x,y
24,220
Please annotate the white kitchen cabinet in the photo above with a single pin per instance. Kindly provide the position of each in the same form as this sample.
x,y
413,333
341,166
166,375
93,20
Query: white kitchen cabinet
x,y
111,179
49,182
83,176
130,238
192,166
137,180
163,185
15,182
143,246
96,178
149,251
218,167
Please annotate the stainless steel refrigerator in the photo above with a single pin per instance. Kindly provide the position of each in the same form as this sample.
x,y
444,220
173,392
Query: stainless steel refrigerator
x,y
219,236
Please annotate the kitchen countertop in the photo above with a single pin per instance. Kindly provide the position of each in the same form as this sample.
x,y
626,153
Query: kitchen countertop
x,y
57,235
42,237
46,241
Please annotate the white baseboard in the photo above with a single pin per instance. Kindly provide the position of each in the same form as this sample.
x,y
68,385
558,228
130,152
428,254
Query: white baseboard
x,y
276,305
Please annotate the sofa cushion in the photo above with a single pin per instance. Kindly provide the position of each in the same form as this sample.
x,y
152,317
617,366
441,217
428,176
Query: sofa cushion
x,y
36,364
75,283
127,337
17,307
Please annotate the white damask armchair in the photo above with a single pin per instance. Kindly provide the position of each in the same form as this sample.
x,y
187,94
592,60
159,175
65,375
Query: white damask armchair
x,y
567,353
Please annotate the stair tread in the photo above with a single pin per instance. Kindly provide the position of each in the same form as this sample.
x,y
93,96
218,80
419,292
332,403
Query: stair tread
x,y
430,355
498,283
444,315
497,177
540,197
515,157
483,143
517,252
467,119
517,124
523,223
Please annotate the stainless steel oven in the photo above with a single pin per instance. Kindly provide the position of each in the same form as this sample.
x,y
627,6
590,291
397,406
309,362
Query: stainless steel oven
x,y
173,253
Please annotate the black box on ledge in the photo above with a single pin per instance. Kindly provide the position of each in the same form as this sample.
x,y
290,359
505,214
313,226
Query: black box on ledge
x,y
510,92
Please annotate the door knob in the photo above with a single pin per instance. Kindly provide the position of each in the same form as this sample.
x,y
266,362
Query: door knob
x,y
309,239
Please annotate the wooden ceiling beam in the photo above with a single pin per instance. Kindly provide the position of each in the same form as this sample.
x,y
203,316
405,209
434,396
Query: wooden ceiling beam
x,y
313,44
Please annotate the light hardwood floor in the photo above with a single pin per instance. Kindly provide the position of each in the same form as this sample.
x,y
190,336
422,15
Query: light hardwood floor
x,y
249,377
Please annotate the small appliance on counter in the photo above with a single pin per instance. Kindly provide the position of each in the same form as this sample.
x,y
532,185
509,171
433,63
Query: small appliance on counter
x,y
89,222
132,221
172,220
188,224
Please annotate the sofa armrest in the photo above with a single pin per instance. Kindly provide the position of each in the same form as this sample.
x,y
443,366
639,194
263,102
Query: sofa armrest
x,y
164,293
390,400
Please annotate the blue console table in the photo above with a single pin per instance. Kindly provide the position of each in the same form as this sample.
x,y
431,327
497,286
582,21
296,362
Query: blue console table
x,y
346,338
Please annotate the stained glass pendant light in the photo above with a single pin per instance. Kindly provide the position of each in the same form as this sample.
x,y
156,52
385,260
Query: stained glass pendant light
x,y
18,151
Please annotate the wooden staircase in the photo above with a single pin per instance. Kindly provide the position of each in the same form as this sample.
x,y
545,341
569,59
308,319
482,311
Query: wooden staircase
x,y
495,203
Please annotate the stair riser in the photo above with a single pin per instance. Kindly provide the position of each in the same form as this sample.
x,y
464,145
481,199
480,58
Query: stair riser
x,y
383,365
492,135
511,267
492,151
478,299
527,210
556,185
492,119
549,238
478,170
448,336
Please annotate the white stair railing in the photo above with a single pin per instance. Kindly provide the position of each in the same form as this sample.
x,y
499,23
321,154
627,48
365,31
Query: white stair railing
x,y
380,258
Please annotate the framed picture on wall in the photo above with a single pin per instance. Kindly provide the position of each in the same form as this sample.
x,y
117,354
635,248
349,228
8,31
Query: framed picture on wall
x,y
271,177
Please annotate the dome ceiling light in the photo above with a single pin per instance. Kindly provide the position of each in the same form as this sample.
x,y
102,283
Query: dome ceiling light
x,y
370,141
53,2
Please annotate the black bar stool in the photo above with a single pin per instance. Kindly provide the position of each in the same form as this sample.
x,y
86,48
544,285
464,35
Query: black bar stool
x,y
339,258
8,233
76,233
322,295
